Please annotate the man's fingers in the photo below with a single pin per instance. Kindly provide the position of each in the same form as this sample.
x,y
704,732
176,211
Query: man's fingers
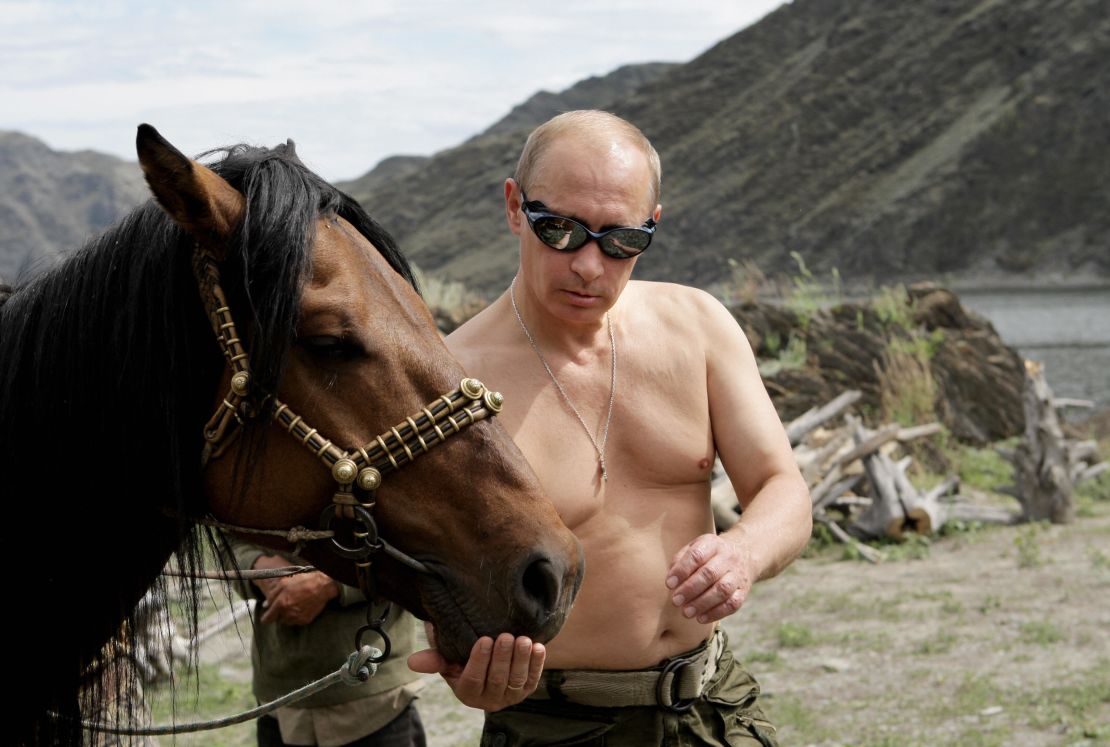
x,y
521,664
724,609
472,681
536,660
713,584
428,661
689,559
711,579
275,608
501,664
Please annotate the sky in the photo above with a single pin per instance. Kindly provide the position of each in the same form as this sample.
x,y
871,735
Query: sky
x,y
350,82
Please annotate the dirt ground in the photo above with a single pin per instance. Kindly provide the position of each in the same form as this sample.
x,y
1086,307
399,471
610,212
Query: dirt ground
x,y
992,636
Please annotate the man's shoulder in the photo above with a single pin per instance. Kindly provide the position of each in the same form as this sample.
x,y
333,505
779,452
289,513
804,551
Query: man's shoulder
x,y
662,300
477,336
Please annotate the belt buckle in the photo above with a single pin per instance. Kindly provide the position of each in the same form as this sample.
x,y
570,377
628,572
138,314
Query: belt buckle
x,y
677,705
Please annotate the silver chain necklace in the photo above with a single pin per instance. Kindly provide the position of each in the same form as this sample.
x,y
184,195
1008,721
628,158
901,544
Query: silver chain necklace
x,y
598,447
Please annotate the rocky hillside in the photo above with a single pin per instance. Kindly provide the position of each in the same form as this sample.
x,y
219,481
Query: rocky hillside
x,y
51,202
587,94
891,141
959,139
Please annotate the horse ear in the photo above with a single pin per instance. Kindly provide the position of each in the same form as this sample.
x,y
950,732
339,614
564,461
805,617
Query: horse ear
x,y
195,197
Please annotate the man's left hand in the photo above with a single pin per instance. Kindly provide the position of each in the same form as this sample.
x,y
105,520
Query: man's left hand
x,y
710,577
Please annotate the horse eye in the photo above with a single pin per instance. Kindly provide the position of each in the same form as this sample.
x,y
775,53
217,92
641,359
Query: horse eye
x,y
331,348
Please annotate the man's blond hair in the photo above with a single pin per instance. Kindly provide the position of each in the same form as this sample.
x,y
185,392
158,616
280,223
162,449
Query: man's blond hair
x,y
585,122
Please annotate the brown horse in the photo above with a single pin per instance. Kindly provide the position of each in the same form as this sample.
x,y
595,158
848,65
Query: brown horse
x,y
330,386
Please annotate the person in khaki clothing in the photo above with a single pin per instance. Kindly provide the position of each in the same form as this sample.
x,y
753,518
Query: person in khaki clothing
x,y
621,393
304,629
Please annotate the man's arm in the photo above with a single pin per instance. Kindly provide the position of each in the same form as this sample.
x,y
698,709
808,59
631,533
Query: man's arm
x,y
711,576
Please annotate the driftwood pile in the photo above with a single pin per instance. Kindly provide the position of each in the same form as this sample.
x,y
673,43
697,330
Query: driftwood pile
x,y
860,488
1047,466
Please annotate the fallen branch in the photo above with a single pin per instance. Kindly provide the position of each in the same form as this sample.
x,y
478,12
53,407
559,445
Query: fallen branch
x,y
868,553
814,417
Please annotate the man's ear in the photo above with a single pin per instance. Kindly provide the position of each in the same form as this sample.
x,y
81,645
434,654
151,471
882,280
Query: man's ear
x,y
657,213
194,196
513,214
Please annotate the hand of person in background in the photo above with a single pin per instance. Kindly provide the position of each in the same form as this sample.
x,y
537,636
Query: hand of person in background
x,y
293,600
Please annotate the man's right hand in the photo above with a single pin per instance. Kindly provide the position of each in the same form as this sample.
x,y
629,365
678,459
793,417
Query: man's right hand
x,y
293,600
498,673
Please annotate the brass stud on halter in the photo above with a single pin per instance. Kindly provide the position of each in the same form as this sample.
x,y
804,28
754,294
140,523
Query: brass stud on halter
x,y
241,383
494,401
344,471
472,388
369,479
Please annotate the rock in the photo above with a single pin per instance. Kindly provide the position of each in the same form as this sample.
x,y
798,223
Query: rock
x,y
978,379
836,665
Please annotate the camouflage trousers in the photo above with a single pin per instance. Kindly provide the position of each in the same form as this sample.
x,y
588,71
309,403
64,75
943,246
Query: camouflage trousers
x,y
726,715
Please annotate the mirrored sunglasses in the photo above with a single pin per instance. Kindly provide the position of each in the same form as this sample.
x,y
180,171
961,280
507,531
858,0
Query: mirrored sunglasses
x,y
568,235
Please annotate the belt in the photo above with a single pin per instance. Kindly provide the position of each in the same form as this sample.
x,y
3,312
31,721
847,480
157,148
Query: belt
x,y
675,684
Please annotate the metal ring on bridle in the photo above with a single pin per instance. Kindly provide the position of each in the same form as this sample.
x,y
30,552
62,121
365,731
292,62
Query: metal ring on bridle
x,y
387,645
369,538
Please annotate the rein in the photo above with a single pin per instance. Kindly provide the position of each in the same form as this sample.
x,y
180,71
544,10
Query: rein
x,y
360,666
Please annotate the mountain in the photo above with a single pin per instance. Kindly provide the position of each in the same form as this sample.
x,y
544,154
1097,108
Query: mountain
x,y
51,202
593,92
951,138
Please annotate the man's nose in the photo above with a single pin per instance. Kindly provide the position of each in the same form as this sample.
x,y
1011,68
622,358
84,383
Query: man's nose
x,y
588,262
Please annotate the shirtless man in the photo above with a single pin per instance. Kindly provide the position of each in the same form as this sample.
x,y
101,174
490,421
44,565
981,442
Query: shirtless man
x,y
620,393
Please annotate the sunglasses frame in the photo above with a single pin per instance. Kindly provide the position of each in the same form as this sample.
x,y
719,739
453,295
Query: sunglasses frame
x,y
535,210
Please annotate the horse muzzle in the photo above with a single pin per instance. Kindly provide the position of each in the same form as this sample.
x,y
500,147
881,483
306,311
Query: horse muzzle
x,y
532,599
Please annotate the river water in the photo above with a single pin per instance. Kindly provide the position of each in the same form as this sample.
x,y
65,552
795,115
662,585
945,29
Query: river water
x,y
1066,329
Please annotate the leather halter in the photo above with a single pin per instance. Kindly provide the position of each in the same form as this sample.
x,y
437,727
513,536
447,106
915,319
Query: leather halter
x,y
361,468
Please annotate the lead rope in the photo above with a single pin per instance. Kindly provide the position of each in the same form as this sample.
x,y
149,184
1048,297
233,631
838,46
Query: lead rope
x,y
360,666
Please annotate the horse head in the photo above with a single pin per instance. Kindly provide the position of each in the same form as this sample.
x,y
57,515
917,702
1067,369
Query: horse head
x,y
339,413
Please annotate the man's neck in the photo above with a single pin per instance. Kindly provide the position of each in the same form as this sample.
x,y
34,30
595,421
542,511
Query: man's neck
x,y
558,336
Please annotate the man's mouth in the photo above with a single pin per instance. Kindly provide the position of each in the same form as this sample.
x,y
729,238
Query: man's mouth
x,y
581,296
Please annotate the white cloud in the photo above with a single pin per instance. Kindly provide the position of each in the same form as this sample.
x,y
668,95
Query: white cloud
x,y
351,81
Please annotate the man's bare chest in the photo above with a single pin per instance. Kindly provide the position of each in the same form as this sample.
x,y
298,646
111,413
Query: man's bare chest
x,y
659,438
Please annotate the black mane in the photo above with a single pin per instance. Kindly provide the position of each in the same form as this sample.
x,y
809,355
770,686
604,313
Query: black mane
x,y
108,369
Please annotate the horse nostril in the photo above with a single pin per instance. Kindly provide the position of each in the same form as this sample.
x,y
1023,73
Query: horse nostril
x,y
541,586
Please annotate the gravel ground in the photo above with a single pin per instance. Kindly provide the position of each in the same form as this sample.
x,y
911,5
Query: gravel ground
x,y
996,636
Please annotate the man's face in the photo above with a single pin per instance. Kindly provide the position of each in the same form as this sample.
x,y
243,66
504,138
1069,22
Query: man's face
x,y
602,183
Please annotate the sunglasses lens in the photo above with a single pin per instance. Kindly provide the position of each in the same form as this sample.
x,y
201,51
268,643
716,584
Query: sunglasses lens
x,y
625,243
560,233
